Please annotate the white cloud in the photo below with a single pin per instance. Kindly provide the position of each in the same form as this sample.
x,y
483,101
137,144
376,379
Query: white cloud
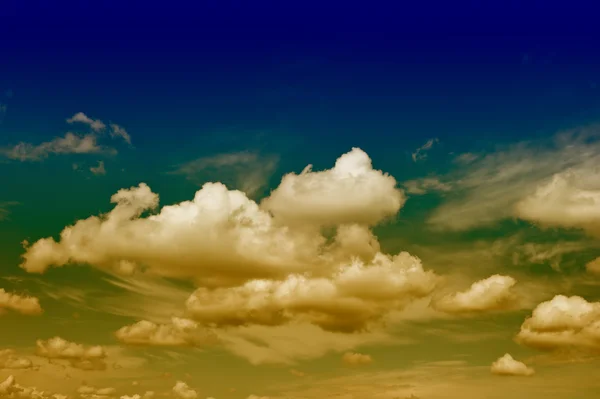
x,y
236,238
506,365
80,356
421,152
351,192
95,124
180,332
562,322
27,305
90,392
356,359
98,170
490,294
571,199
183,391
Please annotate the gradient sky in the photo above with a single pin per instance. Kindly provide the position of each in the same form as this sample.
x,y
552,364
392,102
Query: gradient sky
x,y
451,215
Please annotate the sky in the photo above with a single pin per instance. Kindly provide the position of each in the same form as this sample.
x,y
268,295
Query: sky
x,y
237,200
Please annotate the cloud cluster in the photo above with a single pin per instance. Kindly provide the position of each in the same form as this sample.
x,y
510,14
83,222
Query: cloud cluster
x,y
562,322
508,366
80,356
490,294
10,360
180,332
9,388
356,294
70,143
27,305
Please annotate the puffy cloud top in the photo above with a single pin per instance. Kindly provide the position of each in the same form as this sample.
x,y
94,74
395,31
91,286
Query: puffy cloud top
x,y
562,322
27,305
351,192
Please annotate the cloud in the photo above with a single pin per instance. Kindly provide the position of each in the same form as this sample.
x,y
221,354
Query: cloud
x,y
95,124
491,294
69,144
237,239
287,344
90,392
10,360
571,199
354,296
423,186
119,131
80,356
508,366
488,188
182,391
245,171
421,152
593,266
356,359
27,305
180,332
562,322
9,388
98,170
4,209
351,192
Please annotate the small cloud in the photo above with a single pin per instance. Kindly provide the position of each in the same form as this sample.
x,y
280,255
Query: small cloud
x,y
356,359
70,143
181,390
4,211
297,373
27,305
98,170
95,124
423,186
421,152
119,131
507,366
466,158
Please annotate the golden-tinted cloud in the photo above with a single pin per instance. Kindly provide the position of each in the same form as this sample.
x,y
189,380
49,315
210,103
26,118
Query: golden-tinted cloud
x,y
508,366
27,305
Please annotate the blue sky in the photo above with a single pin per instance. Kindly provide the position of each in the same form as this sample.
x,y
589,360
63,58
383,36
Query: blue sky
x,y
451,214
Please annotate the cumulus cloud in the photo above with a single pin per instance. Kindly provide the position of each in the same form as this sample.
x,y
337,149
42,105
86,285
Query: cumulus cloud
x,y
236,238
571,199
95,124
490,294
355,295
27,305
506,365
80,356
562,322
356,359
9,388
90,392
182,391
10,360
351,192
180,332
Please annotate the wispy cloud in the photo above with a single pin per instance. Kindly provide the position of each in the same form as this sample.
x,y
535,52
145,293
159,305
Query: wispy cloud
x,y
4,209
99,169
486,189
70,143
246,171
421,152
